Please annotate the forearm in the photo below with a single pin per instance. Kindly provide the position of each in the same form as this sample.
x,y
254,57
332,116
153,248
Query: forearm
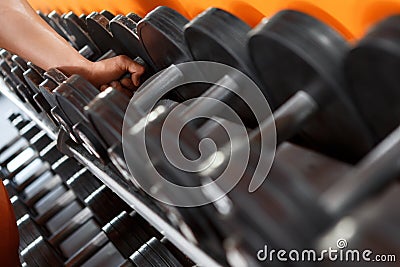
x,y
24,33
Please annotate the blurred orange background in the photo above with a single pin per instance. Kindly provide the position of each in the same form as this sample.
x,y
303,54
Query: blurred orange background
x,y
351,17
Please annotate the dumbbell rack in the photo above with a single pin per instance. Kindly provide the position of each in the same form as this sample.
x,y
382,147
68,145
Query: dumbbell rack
x,y
121,187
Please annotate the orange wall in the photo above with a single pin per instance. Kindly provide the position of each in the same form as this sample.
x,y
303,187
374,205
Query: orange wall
x,y
351,17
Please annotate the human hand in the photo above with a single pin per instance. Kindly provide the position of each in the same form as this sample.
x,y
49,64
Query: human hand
x,y
108,72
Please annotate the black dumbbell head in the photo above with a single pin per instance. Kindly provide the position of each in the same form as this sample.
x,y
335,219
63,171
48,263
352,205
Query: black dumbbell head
x,y
294,51
106,113
135,17
161,33
99,31
124,31
216,35
371,71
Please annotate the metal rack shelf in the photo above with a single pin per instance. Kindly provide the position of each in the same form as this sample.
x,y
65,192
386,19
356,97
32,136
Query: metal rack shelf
x,y
125,190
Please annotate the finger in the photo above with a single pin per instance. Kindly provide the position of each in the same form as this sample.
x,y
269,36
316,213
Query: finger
x,y
135,77
104,87
136,70
117,85
127,82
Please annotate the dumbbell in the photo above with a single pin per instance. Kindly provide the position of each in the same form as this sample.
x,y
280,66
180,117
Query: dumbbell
x,y
88,47
98,25
372,175
373,86
153,253
22,85
40,253
119,230
18,144
74,18
20,62
61,169
200,221
9,77
60,164
39,141
23,168
124,233
28,229
89,191
32,78
77,257
372,227
234,53
54,78
295,199
106,113
54,20
197,108
10,83
71,97
81,185
83,254
78,29
6,56
163,26
32,189
15,69
254,222
217,35
168,78
78,39
31,227
98,29
27,131
49,86
311,100
51,215
41,186
123,28
36,68
27,157
33,182
93,254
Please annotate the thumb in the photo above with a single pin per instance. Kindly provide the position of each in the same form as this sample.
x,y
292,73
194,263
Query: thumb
x,y
134,68
136,71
